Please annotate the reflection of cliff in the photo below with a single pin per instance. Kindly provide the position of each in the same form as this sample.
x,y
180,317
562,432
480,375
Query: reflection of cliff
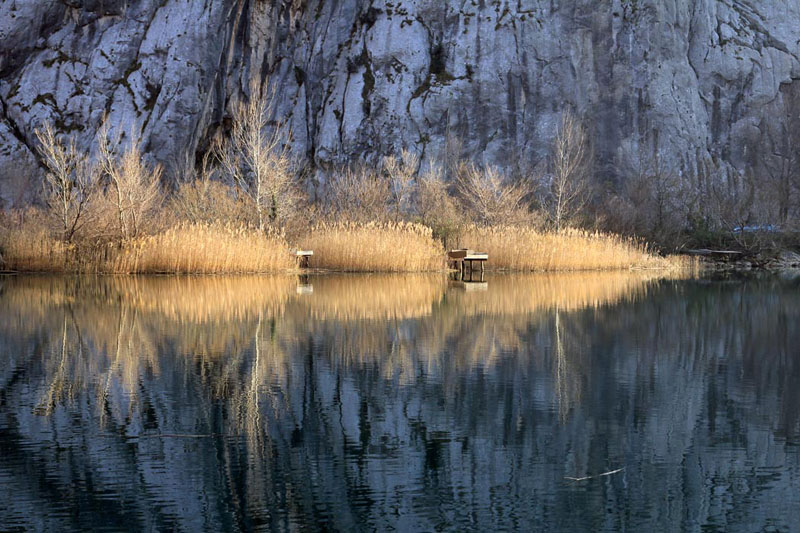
x,y
340,405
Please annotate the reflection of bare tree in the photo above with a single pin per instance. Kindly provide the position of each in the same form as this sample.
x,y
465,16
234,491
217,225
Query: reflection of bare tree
x,y
60,385
572,368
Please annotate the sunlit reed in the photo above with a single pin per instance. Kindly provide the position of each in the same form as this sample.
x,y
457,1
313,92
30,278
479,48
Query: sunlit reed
x,y
526,249
33,249
205,249
375,247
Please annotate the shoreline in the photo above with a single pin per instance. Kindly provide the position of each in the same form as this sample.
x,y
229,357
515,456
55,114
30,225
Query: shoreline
x,y
779,261
326,272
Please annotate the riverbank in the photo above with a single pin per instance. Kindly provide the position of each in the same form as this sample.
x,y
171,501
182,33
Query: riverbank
x,y
352,247
744,261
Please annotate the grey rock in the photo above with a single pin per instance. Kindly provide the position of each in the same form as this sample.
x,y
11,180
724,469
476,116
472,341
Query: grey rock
x,y
787,259
689,81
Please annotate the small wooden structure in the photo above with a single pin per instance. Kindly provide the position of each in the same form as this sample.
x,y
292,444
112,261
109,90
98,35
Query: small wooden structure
x,y
462,256
302,257
723,254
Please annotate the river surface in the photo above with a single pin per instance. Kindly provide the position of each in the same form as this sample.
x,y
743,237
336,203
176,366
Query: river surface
x,y
408,403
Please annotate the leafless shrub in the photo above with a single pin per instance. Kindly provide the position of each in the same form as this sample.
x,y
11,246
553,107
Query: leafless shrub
x,y
209,201
70,183
257,158
654,203
358,194
201,198
436,208
133,187
489,198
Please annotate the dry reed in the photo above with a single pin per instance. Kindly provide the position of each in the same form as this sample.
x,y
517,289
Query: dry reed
x,y
375,247
33,249
353,247
205,249
527,249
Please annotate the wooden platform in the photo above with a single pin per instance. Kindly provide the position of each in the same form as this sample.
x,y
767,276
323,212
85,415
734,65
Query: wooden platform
x,y
464,256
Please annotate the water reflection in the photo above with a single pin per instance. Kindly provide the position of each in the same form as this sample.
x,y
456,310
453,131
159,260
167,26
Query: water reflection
x,y
408,402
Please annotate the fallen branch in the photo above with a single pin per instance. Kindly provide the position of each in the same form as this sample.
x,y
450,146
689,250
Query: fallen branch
x,y
598,475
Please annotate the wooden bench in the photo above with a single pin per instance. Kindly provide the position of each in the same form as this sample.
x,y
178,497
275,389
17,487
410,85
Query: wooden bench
x,y
462,256
302,257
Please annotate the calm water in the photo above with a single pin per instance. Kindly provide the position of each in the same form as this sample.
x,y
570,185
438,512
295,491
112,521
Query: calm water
x,y
409,403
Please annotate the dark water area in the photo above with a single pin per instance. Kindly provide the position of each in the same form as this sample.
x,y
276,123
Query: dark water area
x,y
408,403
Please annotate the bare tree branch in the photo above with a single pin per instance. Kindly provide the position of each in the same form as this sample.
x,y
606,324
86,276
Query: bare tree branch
x,y
566,189
70,182
256,157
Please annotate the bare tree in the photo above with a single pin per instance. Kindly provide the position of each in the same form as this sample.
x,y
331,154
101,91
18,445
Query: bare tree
x,y
70,182
257,158
133,186
400,173
653,202
489,197
566,188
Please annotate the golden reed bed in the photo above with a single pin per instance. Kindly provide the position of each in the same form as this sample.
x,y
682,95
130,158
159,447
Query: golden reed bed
x,y
526,249
363,247
379,247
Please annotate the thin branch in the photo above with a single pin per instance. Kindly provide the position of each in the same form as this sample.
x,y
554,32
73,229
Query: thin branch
x,y
584,478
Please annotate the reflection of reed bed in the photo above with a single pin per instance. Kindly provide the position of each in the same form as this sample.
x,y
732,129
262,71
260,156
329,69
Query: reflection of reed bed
x,y
185,299
522,294
215,321
379,296
205,299
19,307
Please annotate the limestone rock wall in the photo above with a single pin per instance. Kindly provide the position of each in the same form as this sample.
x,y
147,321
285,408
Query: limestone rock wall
x,y
689,80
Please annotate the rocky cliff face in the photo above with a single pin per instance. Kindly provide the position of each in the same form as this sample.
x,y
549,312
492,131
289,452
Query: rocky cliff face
x,y
689,80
